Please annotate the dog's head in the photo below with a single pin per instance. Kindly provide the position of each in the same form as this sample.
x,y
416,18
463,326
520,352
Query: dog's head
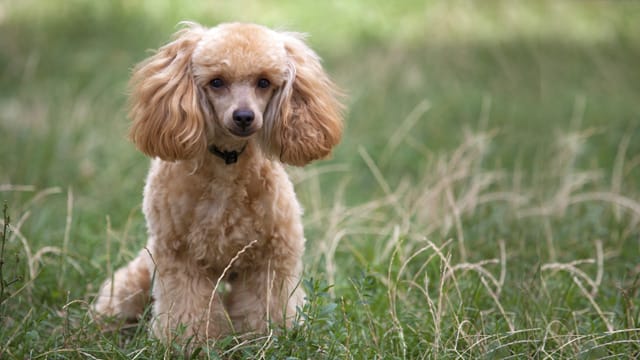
x,y
224,85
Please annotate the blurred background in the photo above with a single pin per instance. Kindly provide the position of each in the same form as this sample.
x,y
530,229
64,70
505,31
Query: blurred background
x,y
541,88
527,69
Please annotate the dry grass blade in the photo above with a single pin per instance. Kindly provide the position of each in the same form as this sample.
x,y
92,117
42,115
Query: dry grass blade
x,y
41,195
404,129
618,167
595,305
609,197
16,188
377,174
65,239
458,223
219,280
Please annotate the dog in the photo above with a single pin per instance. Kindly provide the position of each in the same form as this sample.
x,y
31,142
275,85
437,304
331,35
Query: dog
x,y
220,110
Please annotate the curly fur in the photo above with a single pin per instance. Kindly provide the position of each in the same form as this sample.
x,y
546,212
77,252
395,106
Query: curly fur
x,y
207,219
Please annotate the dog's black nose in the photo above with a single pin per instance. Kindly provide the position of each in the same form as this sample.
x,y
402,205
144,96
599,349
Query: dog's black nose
x,y
243,118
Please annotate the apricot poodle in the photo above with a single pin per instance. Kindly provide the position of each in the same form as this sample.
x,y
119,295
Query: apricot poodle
x,y
219,110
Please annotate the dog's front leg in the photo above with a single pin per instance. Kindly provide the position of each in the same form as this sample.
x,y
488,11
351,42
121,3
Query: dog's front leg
x,y
185,305
268,296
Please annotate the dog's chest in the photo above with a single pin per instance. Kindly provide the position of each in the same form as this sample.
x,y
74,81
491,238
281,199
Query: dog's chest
x,y
212,224
229,226
247,221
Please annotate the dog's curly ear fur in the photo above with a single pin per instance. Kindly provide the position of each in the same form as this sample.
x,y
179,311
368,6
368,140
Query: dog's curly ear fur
x,y
166,105
304,118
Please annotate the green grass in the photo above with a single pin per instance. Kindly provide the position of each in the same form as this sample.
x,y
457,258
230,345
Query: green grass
x,y
484,202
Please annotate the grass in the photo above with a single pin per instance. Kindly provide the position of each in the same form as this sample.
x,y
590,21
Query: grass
x,y
483,204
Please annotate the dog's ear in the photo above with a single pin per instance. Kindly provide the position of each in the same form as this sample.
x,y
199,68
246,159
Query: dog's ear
x,y
166,105
304,118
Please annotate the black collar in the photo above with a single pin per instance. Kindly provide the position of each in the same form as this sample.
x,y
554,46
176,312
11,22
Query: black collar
x,y
229,157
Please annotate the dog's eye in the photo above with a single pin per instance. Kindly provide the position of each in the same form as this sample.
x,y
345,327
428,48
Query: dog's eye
x,y
216,83
263,83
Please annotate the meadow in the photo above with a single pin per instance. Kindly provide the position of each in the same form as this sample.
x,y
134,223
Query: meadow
x,y
484,201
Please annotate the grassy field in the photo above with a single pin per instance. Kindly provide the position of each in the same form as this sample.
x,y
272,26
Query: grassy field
x,y
484,203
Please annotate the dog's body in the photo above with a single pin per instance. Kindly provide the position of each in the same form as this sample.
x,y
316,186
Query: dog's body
x,y
219,109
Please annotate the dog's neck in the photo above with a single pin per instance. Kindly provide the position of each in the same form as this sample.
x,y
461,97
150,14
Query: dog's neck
x,y
229,156
214,168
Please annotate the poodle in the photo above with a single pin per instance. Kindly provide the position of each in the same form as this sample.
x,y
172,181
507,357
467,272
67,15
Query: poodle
x,y
220,110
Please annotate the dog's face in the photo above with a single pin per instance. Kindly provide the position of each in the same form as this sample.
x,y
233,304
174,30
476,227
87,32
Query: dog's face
x,y
239,103
221,85
239,67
